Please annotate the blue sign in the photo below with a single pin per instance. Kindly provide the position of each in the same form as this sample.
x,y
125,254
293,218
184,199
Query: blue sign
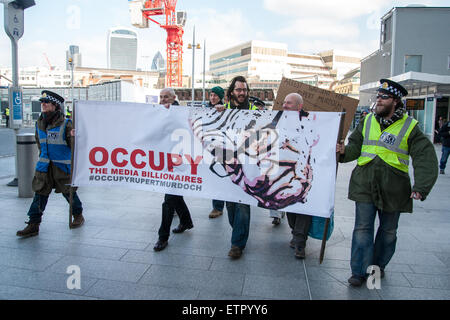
x,y
17,105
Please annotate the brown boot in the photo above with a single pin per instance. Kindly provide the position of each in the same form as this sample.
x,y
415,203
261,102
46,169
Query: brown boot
x,y
235,252
31,230
78,220
215,213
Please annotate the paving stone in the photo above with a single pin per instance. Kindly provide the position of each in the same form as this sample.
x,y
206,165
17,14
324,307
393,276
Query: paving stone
x,y
212,295
62,248
403,293
102,268
18,293
417,258
275,287
430,270
27,259
221,282
168,259
333,290
289,269
44,280
115,290
428,281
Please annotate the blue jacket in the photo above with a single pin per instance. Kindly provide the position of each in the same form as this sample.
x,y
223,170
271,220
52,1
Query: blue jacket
x,y
54,148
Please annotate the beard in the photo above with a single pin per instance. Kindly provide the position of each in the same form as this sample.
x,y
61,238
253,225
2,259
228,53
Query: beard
x,y
384,111
241,100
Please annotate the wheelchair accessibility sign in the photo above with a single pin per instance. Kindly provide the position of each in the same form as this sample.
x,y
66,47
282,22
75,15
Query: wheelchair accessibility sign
x,y
17,105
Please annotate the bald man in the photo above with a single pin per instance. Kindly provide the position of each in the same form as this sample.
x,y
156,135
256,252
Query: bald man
x,y
299,223
172,203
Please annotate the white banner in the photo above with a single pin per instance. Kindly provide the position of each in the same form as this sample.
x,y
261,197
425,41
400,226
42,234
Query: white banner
x,y
271,159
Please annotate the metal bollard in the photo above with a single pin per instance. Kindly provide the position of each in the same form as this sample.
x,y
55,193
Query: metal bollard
x,y
27,156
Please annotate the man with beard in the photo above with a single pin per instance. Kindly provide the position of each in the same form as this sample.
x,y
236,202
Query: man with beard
x,y
172,203
380,183
53,169
238,213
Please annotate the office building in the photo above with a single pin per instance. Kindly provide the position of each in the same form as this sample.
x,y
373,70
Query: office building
x,y
74,53
158,63
264,64
122,49
415,52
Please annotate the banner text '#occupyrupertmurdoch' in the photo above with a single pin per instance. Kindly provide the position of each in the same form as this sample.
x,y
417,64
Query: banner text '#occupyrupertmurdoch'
x,y
271,159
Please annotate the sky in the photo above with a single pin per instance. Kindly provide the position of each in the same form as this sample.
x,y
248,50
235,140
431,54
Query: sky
x,y
306,26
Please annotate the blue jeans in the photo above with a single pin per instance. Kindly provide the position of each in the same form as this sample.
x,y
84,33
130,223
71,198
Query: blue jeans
x,y
365,251
239,218
218,204
444,157
40,202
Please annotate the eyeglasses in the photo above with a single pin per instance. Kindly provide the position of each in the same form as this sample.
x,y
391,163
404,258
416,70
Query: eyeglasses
x,y
383,96
241,89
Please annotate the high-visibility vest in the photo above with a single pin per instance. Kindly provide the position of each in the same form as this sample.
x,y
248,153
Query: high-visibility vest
x,y
250,106
7,112
54,148
391,144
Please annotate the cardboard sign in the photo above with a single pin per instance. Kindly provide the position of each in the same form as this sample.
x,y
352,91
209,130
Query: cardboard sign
x,y
316,99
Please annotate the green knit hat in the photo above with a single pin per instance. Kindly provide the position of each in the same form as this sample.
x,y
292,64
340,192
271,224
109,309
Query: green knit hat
x,y
219,91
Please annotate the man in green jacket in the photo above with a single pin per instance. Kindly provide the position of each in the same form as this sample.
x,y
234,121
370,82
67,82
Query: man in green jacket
x,y
380,183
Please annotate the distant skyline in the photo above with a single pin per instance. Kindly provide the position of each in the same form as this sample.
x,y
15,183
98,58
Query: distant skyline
x,y
305,26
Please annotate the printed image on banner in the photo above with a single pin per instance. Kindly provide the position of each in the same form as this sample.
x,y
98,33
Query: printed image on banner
x,y
282,160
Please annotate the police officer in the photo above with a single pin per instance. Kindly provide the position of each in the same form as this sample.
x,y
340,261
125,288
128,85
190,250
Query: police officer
x,y
257,102
7,116
53,137
380,183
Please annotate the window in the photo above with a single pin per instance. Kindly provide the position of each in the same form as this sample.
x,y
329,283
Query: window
x,y
386,30
413,63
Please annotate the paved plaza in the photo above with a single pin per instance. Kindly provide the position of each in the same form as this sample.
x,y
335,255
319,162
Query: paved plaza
x,y
114,251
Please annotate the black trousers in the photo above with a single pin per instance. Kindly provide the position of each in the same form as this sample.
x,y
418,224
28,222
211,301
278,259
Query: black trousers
x,y
299,224
172,204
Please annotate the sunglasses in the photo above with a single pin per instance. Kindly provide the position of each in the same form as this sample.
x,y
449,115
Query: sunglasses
x,y
383,96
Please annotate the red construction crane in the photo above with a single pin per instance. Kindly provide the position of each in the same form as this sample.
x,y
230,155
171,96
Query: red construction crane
x,y
174,28
48,62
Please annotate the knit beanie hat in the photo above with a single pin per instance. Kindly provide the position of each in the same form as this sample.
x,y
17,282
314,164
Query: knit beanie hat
x,y
219,91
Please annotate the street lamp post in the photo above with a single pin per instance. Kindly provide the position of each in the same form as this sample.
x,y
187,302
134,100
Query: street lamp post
x,y
71,70
204,54
193,46
14,28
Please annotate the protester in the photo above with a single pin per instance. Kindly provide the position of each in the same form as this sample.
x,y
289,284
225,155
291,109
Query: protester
x,y
299,223
53,169
172,203
380,182
216,98
238,213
